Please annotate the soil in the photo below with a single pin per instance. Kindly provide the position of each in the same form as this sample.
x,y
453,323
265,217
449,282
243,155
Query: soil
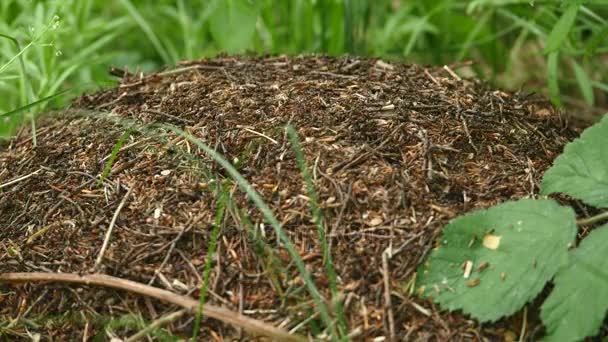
x,y
395,151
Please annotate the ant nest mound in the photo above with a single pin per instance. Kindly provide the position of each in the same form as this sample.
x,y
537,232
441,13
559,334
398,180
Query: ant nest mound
x,y
394,152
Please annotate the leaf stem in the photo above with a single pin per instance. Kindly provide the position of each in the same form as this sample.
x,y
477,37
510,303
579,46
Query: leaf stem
x,y
592,219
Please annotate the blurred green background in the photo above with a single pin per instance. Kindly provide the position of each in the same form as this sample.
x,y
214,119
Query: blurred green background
x,y
558,48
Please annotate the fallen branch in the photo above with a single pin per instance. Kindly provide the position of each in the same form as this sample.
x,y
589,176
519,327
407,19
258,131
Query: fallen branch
x,y
251,325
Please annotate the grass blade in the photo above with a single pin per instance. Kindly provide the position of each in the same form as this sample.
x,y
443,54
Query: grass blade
x,y
552,78
152,37
24,81
219,217
110,162
595,41
318,218
561,29
35,103
584,83
25,85
268,215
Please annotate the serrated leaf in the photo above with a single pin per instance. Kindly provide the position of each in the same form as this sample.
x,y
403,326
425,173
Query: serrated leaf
x,y
584,83
578,304
515,248
232,25
562,28
581,171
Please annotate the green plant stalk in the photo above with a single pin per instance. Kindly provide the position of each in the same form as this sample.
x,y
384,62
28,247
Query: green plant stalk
x,y
219,217
33,104
593,219
23,82
15,57
318,218
268,215
115,150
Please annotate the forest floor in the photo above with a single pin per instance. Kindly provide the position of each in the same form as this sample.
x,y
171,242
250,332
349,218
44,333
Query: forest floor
x,y
395,152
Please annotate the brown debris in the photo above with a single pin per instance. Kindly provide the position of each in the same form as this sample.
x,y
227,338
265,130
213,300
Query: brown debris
x,y
395,151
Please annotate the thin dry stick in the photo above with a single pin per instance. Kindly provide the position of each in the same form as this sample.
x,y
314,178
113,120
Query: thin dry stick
x,y
106,240
19,179
253,326
451,72
524,324
157,324
171,248
261,135
387,294
428,74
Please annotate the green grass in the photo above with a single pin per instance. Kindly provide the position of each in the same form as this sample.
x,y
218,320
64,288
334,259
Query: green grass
x,y
115,150
219,218
317,216
548,46
252,194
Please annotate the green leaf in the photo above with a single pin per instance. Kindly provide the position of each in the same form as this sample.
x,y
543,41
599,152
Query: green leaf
x,y
581,171
514,248
578,304
232,25
584,83
561,29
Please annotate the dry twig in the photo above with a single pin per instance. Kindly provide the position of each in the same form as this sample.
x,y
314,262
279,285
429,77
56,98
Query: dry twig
x,y
106,240
253,326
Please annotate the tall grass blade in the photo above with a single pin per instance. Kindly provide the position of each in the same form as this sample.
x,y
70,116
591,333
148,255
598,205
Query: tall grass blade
x,y
271,263
219,218
268,215
152,37
561,29
24,80
584,83
318,218
481,24
24,83
595,41
552,78
34,104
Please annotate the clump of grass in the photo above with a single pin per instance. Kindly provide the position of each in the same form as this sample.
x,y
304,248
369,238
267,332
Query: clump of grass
x,y
268,216
52,56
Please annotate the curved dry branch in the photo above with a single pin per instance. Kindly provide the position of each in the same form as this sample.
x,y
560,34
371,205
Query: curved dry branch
x,y
251,325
